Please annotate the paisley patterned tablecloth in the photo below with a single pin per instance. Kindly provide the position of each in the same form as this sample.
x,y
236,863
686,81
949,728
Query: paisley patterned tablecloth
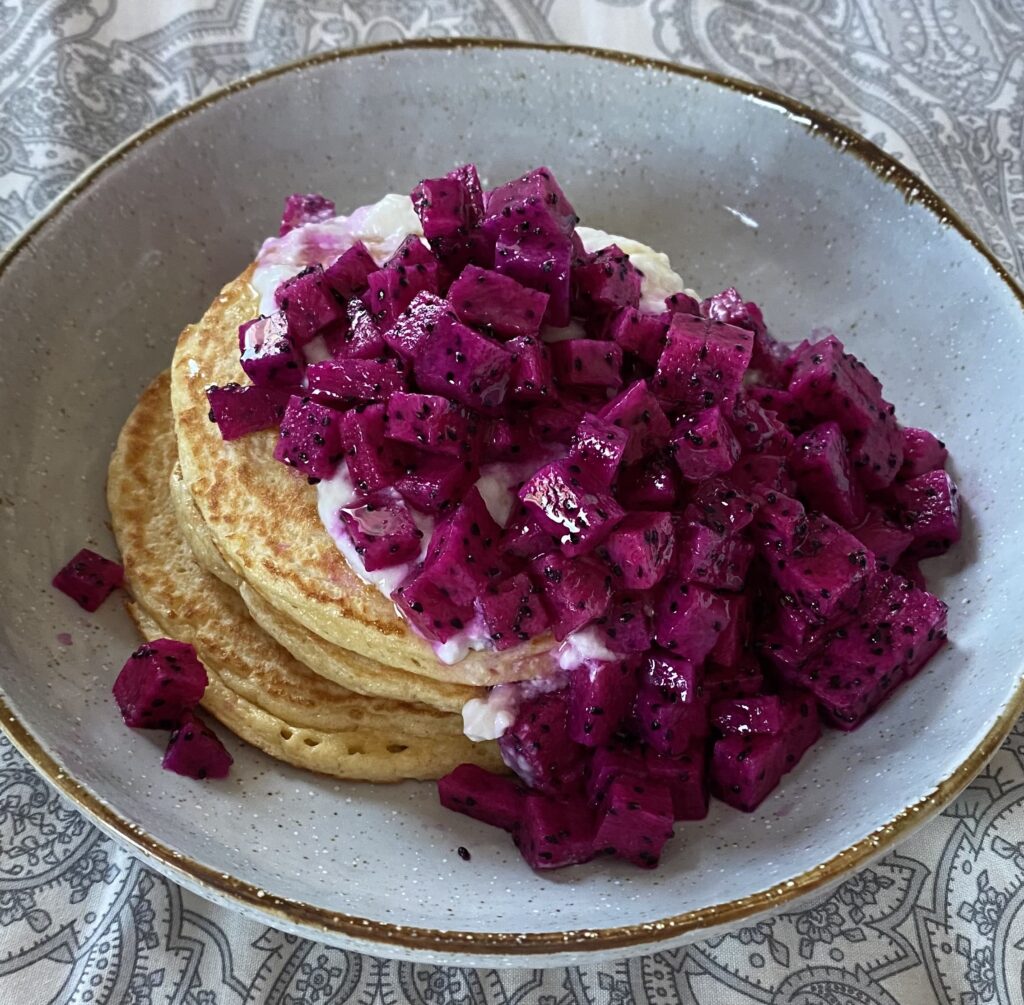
x,y
938,82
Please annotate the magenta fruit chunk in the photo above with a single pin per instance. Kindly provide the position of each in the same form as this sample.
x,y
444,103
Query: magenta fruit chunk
x,y
311,437
161,681
239,410
88,579
195,751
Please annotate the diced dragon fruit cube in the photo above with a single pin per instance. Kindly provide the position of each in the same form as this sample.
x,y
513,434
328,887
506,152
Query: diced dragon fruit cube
x,y
639,550
445,207
688,618
703,363
536,187
638,412
780,525
300,209
597,450
581,362
311,438
239,410
626,626
512,611
604,281
639,333
537,746
705,556
885,539
555,832
195,751
429,609
88,579
349,274
579,515
744,769
768,356
930,507
434,483
682,303
463,554
671,708
706,447
758,429
830,383
359,338
821,463
416,323
493,799
309,304
601,696
497,302
652,484
391,290
614,760
576,590
524,537
685,776
801,728
762,472
338,380
759,713
161,681
720,505
530,379
922,452
432,423
462,364
746,678
363,445
636,821
383,532
557,423
268,355
732,641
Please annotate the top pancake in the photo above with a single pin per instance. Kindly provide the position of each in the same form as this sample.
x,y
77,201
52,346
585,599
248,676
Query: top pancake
x,y
263,518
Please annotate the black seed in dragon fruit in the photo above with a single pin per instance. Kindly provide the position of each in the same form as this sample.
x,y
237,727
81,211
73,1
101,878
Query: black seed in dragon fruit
x,y
88,579
820,461
300,209
493,799
705,445
463,555
597,450
311,437
348,276
706,556
161,681
652,484
702,364
579,515
626,625
530,379
745,769
639,333
239,410
639,550
537,746
638,412
929,506
884,538
671,707
497,303
462,364
830,383
336,381
432,423
922,452
688,618
685,777
635,821
604,281
586,363
828,572
429,609
309,305
601,695
576,591
745,678
512,611
434,483
383,532
268,355
195,751
555,832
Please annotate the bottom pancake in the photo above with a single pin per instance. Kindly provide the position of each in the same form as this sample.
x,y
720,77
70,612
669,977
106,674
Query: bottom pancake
x,y
257,688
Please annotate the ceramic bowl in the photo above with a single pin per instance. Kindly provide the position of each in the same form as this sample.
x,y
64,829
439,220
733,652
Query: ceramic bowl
x,y
740,188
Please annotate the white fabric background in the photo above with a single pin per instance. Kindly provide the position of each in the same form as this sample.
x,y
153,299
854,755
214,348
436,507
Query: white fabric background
x,y
938,82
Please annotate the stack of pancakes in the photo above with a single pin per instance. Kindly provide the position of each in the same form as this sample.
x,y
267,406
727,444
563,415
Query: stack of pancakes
x,y
223,548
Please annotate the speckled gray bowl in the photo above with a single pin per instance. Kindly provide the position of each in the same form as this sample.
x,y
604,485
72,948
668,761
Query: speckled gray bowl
x,y
738,189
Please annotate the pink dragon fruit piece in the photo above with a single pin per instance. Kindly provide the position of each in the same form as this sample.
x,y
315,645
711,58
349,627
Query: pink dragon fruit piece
x,y
512,611
335,381
239,410
463,554
652,484
537,746
581,362
600,698
639,550
604,281
930,507
821,463
432,423
362,444
429,609
309,305
688,618
685,776
922,452
301,209
161,681
640,333
431,483
493,799
745,678
382,532
671,708
597,450
885,539
636,821
555,832
705,556
268,355
626,625
638,412
706,447
195,751
88,579
497,302
359,337
530,379
311,439
576,591
348,276
745,769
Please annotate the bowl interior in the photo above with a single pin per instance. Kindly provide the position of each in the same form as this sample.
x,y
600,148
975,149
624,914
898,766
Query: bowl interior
x,y
737,193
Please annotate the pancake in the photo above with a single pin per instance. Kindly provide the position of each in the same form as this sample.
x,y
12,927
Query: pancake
x,y
350,670
263,519
257,689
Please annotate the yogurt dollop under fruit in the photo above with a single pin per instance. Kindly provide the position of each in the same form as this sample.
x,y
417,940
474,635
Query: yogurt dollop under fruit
x,y
519,426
